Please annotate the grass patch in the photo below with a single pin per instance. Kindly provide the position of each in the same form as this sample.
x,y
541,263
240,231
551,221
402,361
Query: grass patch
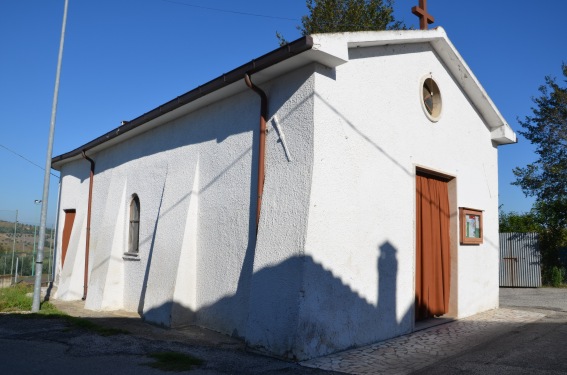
x,y
16,298
81,323
172,361
93,327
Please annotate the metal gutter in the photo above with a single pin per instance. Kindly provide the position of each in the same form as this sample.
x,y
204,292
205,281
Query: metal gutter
x,y
283,53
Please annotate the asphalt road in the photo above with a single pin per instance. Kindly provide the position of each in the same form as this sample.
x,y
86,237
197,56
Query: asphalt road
x,y
536,348
51,346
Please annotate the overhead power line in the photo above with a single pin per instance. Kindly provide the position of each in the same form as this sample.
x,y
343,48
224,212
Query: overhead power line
x,y
231,11
26,159
258,15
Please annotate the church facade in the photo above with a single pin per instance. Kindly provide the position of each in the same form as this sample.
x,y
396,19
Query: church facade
x,y
369,202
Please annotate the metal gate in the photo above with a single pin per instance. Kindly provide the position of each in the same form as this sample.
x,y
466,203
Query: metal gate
x,y
520,260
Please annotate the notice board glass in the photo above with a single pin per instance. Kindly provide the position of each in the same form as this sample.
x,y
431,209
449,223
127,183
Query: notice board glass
x,y
471,226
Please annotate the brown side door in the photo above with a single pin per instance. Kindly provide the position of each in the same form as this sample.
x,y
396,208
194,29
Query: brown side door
x,y
67,228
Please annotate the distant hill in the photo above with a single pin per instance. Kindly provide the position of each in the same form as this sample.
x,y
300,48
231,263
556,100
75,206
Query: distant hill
x,y
24,237
8,227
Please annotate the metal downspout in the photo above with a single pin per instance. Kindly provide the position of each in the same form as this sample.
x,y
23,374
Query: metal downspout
x,y
262,148
89,204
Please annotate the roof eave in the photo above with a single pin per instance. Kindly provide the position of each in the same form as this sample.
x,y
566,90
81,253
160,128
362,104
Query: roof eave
x,y
327,49
285,58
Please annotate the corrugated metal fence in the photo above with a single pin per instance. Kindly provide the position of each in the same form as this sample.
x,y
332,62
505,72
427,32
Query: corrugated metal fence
x,y
520,260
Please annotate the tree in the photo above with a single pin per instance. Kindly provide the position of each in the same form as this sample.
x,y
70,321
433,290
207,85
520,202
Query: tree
x,y
513,222
331,16
546,178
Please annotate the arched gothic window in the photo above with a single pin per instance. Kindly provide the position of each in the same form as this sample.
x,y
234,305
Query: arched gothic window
x,y
134,231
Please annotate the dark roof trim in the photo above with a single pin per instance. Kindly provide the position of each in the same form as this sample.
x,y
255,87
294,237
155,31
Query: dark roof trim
x,y
283,53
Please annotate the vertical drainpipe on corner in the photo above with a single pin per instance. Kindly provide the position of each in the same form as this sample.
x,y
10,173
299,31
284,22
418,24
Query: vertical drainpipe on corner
x,y
89,204
262,147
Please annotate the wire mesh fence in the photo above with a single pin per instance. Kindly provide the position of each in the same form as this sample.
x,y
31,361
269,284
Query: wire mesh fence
x,y
18,249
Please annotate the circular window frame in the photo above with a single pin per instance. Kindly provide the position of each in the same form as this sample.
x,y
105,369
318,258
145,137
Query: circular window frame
x,y
429,85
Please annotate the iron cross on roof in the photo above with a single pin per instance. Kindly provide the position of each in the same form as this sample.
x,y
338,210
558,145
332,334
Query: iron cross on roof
x,y
424,17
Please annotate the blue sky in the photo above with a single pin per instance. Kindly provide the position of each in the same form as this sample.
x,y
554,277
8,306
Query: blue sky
x,y
125,57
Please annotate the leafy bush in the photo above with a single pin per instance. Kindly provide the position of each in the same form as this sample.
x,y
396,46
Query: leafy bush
x,y
554,276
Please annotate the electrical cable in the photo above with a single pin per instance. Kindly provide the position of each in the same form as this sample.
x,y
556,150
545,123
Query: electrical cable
x,y
26,159
231,11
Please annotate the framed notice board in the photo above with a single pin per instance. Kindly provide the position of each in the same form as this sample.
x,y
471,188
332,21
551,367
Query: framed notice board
x,y
471,226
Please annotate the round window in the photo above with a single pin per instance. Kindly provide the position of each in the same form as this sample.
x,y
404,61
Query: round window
x,y
431,99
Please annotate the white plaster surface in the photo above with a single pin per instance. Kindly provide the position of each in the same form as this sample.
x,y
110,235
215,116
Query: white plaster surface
x,y
333,265
370,135
185,292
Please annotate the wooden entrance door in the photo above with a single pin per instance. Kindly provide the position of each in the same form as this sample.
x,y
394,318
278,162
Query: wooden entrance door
x,y
432,247
67,227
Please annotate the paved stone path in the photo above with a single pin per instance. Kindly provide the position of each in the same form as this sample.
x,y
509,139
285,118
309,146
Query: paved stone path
x,y
411,352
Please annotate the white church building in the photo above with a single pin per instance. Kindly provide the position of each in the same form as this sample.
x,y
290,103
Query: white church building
x,y
369,202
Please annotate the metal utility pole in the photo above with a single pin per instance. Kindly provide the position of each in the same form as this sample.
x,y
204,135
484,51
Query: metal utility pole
x,y
14,244
37,201
33,254
50,256
43,220
16,276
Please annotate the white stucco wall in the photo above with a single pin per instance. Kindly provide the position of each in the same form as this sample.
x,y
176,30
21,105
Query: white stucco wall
x,y
370,134
69,275
159,166
333,265
196,180
278,261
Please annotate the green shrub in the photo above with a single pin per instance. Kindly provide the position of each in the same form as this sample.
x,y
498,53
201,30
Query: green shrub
x,y
556,277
